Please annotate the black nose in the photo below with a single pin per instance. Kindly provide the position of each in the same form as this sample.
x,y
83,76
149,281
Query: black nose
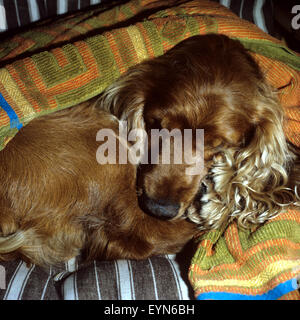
x,y
164,209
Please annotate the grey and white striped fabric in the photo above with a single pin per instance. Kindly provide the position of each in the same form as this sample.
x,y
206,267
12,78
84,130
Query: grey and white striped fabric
x,y
157,278
259,12
24,282
16,13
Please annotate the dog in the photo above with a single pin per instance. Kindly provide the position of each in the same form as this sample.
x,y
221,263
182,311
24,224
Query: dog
x,y
57,201
251,173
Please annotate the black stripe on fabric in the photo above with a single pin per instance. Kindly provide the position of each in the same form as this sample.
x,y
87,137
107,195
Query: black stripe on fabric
x,y
268,13
176,277
11,14
86,278
51,7
72,5
107,280
164,277
247,11
23,10
235,6
42,9
84,3
143,280
35,285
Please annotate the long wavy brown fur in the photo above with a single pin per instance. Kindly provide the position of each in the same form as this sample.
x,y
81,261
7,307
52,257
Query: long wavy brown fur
x,y
211,82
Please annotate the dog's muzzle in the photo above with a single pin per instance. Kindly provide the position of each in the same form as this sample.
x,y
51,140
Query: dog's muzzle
x,y
166,209
163,209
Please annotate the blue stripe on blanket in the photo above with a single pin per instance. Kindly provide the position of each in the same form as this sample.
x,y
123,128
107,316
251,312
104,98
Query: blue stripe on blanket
x,y
274,294
14,120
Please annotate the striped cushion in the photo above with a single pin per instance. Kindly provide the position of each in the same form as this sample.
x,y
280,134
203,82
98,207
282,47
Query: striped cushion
x,y
27,283
21,13
258,12
157,278
14,14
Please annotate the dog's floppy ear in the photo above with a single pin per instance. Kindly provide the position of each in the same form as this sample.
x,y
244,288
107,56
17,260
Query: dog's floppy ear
x,y
125,98
255,175
267,161
267,148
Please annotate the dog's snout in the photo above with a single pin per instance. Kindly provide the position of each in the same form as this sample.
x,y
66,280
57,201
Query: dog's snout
x,y
161,208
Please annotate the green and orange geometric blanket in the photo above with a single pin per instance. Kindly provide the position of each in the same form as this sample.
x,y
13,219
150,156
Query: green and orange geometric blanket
x,y
58,64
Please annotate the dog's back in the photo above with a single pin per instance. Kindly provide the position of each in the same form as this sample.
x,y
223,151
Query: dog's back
x,y
56,199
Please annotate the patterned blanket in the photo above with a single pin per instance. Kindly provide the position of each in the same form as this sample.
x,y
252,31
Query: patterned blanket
x,y
58,64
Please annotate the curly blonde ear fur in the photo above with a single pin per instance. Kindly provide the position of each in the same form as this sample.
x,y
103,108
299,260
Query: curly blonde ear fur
x,y
251,184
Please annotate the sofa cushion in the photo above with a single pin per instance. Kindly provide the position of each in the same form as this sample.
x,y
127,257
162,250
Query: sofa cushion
x,y
157,278
22,282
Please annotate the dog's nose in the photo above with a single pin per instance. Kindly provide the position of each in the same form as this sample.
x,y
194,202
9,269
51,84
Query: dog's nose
x,y
164,209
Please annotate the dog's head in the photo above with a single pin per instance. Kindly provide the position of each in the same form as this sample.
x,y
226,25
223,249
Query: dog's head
x,y
212,83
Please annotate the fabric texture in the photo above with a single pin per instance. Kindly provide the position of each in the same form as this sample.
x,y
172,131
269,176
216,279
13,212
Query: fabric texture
x,y
27,283
51,68
157,278
244,265
20,13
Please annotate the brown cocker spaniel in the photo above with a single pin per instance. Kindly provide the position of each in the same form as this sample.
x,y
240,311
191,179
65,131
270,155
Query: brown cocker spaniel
x,y
57,201
251,173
